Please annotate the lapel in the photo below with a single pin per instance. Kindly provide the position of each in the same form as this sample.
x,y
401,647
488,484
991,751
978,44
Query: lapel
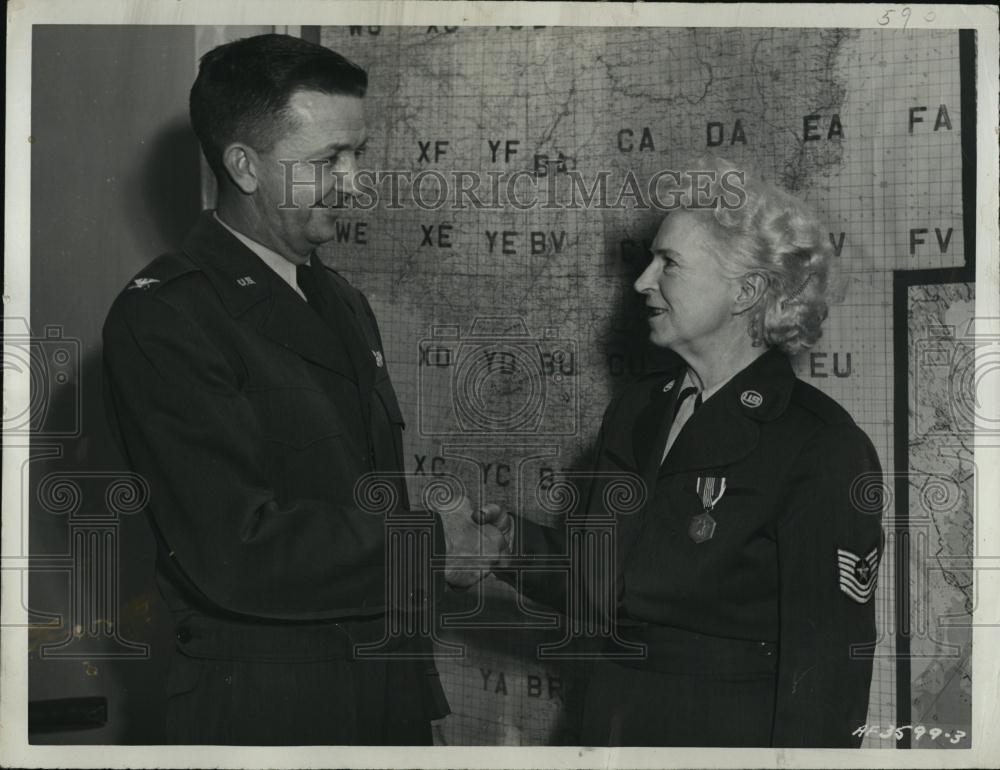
x,y
243,281
345,310
652,426
714,436
727,427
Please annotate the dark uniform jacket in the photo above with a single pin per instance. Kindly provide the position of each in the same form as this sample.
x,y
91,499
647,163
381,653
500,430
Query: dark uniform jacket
x,y
792,563
252,418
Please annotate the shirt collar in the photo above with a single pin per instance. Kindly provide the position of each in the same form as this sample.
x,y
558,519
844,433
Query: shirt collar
x,y
691,382
271,258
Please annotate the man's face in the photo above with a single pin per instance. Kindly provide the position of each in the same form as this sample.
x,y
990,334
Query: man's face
x,y
324,145
688,297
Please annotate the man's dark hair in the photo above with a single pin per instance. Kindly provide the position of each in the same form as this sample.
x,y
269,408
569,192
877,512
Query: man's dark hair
x,y
242,90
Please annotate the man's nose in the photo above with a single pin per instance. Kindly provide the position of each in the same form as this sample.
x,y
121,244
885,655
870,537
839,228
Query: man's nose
x,y
347,178
351,180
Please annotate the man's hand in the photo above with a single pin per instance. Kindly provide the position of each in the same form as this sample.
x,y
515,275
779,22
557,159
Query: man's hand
x,y
474,544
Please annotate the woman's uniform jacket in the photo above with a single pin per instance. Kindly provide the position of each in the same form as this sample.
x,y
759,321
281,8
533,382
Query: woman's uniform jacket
x,y
790,568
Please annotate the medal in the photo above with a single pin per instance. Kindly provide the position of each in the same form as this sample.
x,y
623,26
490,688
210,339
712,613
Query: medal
x,y
702,527
710,489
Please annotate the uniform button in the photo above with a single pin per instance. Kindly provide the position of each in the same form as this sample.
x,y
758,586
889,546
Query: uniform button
x,y
183,634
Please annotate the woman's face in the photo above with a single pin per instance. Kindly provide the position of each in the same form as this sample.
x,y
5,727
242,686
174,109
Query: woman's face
x,y
689,300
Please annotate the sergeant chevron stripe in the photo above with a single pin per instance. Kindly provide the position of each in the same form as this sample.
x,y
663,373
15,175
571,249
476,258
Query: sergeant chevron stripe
x,y
858,574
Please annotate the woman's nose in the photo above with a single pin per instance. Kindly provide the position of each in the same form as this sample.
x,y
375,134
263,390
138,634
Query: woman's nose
x,y
644,283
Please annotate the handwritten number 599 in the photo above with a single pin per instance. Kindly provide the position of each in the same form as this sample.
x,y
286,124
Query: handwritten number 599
x,y
886,18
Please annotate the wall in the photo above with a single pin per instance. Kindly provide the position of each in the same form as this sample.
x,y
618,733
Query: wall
x,y
115,181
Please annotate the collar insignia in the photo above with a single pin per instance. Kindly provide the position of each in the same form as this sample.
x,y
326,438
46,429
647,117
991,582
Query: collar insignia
x,y
751,399
143,283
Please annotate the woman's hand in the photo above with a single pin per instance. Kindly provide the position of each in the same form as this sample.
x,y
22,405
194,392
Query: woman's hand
x,y
474,544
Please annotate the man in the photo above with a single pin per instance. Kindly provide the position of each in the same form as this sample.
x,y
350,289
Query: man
x,y
247,383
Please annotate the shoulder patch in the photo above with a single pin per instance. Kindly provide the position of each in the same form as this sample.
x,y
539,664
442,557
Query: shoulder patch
x,y
160,271
814,400
857,575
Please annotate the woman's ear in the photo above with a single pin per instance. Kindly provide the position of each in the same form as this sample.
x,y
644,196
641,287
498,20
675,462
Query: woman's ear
x,y
240,161
751,290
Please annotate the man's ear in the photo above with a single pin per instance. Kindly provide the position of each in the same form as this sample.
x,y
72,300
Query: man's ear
x,y
241,163
750,291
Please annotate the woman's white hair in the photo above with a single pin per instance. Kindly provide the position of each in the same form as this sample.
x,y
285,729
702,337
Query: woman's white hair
x,y
773,234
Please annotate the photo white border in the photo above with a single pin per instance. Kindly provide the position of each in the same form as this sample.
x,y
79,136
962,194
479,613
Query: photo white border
x,y
22,14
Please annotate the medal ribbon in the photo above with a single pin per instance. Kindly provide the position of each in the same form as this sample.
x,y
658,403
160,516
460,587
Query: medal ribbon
x,y
711,489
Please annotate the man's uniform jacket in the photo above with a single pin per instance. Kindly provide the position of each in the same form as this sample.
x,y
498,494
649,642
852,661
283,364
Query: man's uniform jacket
x,y
252,417
759,634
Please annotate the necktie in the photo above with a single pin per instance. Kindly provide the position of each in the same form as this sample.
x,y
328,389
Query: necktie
x,y
309,285
684,395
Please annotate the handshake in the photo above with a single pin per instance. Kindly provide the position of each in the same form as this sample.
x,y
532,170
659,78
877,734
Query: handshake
x,y
476,542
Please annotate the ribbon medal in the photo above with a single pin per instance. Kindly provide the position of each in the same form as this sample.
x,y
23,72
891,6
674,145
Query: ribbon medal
x,y
710,489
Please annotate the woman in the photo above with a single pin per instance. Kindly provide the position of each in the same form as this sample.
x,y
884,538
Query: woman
x,y
749,572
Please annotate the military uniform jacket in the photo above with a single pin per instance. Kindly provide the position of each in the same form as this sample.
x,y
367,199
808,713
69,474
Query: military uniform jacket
x,y
252,421
793,558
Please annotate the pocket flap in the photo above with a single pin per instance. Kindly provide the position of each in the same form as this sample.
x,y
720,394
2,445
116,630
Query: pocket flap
x,y
296,417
